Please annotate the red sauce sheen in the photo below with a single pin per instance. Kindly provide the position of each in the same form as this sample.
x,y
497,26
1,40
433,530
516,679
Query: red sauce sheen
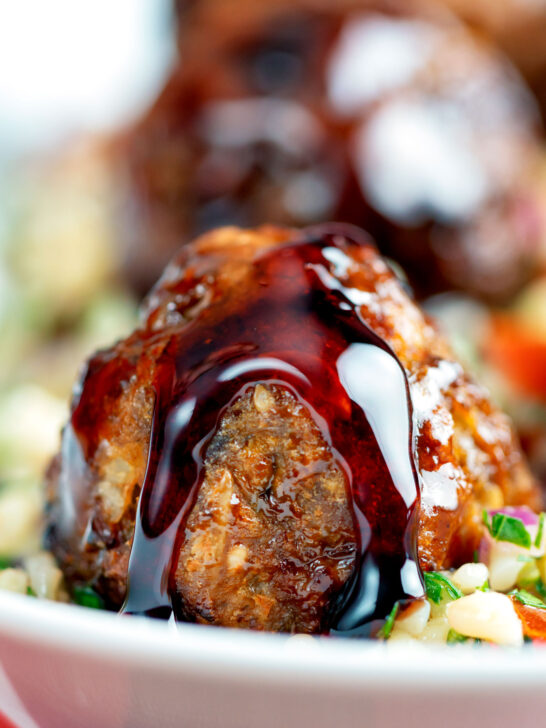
x,y
298,328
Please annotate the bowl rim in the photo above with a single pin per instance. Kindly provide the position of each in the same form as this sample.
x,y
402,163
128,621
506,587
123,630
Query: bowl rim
x,y
254,657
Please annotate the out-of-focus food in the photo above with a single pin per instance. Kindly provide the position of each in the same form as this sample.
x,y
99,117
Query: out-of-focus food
x,y
254,446
486,615
518,26
390,116
61,297
514,24
506,348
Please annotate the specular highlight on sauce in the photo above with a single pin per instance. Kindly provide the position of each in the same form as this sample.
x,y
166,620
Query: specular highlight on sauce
x,y
301,329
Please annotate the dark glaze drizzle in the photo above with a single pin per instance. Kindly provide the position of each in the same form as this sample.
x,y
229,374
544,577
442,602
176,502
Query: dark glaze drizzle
x,y
300,328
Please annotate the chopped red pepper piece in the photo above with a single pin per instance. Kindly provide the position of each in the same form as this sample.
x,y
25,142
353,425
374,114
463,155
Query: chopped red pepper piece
x,y
518,354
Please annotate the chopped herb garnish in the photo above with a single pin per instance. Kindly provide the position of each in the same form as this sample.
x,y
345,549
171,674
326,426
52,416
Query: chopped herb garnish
x,y
538,539
4,563
476,556
454,637
485,586
508,528
439,587
528,599
386,629
86,596
30,591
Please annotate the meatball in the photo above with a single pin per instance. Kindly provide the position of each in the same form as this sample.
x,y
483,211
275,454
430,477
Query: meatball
x,y
333,433
271,535
516,27
393,117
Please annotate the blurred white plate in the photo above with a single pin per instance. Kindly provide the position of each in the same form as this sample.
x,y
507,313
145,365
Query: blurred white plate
x,y
78,668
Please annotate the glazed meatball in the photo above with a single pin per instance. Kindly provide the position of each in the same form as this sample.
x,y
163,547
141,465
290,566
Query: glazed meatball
x,y
271,536
259,511
390,116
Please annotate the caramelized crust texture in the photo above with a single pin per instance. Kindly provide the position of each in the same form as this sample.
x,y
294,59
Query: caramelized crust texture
x,y
270,540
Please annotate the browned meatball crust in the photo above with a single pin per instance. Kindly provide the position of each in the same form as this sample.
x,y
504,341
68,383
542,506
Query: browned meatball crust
x,y
270,539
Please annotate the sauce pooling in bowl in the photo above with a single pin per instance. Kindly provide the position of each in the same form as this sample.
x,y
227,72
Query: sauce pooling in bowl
x,y
300,328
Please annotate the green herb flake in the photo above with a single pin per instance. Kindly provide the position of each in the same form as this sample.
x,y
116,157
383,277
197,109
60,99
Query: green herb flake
x,y
86,596
528,599
386,629
439,587
508,528
455,638
538,539
31,592
485,586
5,563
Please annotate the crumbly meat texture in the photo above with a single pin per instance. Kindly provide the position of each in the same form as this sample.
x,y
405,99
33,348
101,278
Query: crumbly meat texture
x,y
270,539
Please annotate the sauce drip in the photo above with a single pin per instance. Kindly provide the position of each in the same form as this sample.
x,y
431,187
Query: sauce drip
x,y
300,328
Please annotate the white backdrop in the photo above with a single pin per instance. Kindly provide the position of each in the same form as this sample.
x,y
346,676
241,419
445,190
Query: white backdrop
x,y
73,65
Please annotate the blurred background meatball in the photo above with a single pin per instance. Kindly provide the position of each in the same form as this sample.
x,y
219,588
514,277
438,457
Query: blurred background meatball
x,y
518,27
391,116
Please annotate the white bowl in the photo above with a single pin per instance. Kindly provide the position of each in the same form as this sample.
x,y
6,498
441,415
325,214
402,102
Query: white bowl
x,y
79,668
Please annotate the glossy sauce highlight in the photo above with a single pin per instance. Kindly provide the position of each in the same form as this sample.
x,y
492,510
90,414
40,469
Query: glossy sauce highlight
x,y
301,329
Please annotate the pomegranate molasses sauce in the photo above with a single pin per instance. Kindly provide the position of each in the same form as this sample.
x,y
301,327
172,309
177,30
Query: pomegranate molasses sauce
x,y
299,328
